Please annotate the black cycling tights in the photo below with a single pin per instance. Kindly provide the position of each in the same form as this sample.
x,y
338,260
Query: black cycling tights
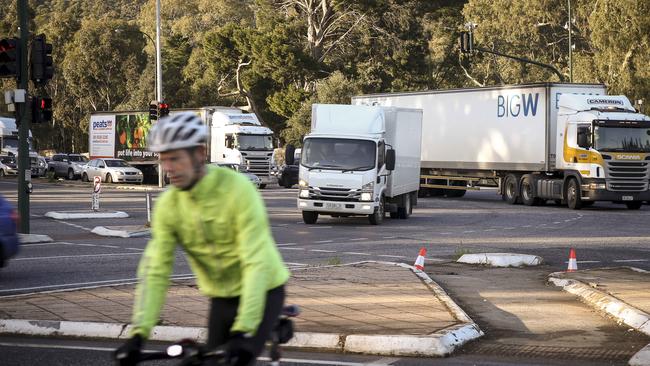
x,y
222,316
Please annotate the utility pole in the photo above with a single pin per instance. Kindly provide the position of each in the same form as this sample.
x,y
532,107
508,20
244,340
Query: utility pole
x,y
569,27
159,95
23,119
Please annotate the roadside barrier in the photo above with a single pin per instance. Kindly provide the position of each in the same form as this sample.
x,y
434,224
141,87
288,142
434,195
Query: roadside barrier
x,y
573,262
419,261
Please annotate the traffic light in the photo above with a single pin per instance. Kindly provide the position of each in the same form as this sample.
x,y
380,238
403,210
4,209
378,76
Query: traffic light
x,y
163,109
9,57
466,42
40,63
41,110
153,110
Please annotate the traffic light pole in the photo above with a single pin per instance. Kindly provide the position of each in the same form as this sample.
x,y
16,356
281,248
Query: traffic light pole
x,y
23,118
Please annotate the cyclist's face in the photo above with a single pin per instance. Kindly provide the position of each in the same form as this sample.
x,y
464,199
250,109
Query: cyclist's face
x,y
181,166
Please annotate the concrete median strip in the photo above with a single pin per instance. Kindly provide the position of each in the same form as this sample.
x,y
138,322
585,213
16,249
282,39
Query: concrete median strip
x,y
34,238
641,358
405,331
131,231
501,259
74,215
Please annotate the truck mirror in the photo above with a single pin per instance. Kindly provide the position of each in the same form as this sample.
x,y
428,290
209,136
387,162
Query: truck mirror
x,y
390,159
289,158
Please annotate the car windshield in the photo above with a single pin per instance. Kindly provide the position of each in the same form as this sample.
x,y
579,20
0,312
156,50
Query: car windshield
x,y
117,164
625,139
78,158
8,160
339,154
255,142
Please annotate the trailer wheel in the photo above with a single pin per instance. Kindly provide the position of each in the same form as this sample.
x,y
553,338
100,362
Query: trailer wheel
x,y
634,205
262,186
309,217
377,217
405,210
511,189
573,195
527,191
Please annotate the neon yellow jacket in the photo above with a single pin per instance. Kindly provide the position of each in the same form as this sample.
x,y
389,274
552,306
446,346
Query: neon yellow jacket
x,y
222,226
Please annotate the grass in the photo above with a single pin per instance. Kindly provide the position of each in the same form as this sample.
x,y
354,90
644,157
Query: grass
x,y
334,261
460,251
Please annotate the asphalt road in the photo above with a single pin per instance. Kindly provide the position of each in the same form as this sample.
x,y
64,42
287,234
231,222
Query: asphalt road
x,y
603,235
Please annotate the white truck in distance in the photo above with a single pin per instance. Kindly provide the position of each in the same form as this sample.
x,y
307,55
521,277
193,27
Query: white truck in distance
x,y
239,138
564,142
360,160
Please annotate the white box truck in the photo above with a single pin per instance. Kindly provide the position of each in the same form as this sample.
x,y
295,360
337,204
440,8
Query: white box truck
x,y
565,142
360,160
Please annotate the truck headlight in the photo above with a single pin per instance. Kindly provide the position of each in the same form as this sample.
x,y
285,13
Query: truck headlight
x,y
597,186
366,196
304,193
303,183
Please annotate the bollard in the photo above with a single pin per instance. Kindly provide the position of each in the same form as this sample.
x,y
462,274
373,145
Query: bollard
x,y
148,209
97,188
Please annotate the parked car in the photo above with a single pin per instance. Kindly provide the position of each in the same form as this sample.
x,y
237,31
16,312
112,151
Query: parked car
x,y
111,170
8,165
8,237
67,165
252,177
38,165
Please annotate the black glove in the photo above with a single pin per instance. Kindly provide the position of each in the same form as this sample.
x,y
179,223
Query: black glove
x,y
129,353
239,349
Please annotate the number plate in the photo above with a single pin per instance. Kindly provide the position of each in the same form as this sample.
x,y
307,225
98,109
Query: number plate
x,y
332,205
628,198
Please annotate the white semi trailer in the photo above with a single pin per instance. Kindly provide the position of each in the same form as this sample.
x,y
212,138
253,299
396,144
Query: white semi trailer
x,y
565,142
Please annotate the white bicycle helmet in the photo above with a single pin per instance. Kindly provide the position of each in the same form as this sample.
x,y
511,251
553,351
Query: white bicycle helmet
x,y
179,131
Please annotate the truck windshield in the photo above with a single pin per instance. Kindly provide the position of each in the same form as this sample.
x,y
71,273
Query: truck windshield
x,y
626,139
339,154
255,142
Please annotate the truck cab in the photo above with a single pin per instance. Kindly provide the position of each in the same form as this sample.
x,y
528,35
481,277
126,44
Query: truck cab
x,y
605,149
239,138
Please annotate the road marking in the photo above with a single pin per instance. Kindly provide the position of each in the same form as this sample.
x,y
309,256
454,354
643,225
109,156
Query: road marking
x,y
43,244
490,230
323,251
138,249
358,239
384,361
74,256
527,225
629,260
468,231
355,253
323,241
296,264
390,256
389,237
75,225
557,222
319,227
509,228
584,262
285,248
286,244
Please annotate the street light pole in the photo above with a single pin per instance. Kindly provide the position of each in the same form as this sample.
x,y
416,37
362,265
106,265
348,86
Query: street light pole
x,y
570,45
159,95
23,121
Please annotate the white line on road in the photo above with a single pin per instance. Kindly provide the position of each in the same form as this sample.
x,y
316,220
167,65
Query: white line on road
x,y
286,244
285,248
389,237
323,241
323,251
390,256
468,231
358,239
355,253
629,260
43,244
74,256
584,262
138,249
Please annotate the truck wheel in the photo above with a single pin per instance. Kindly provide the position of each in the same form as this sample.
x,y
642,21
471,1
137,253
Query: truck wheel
x,y
511,189
634,205
573,195
70,174
405,211
262,186
309,217
377,217
109,178
528,191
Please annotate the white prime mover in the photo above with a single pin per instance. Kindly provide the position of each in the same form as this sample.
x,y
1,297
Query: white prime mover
x,y
565,142
360,160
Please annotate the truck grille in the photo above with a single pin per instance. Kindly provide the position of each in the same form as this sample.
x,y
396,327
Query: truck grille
x,y
334,194
627,176
258,165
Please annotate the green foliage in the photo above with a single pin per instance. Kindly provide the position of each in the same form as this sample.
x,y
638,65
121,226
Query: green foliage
x,y
278,57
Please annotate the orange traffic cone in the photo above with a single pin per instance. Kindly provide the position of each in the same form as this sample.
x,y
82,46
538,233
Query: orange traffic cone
x,y
573,262
419,261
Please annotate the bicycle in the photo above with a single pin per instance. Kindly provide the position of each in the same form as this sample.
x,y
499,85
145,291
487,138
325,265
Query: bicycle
x,y
192,353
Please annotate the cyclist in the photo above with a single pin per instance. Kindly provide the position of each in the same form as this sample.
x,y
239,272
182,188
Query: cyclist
x,y
218,218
